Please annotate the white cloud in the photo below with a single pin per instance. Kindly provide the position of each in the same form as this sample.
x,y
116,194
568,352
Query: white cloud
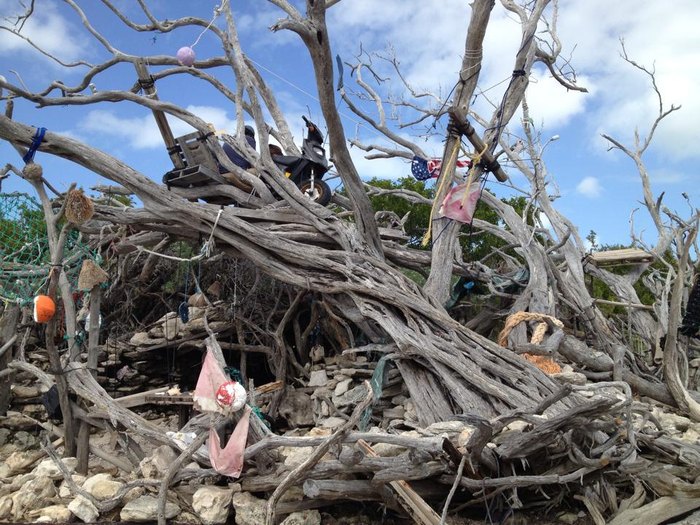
x,y
429,42
549,105
589,187
381,169
137,132
141,132
46,28
657,35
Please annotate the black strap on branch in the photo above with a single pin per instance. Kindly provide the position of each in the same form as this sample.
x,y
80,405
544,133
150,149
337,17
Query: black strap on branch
x,y
147,83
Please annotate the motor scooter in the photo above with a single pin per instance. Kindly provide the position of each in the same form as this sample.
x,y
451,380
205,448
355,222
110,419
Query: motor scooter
x,y
308,170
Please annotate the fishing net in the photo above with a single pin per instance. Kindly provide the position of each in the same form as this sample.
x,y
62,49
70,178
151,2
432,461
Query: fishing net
x,y
25,259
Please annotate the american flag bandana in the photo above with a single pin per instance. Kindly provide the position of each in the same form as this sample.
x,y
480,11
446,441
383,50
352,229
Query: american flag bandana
x,y
423,169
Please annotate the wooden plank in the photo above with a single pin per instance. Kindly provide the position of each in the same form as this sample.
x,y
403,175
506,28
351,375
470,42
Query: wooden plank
x,y
162,122
165,399
135,400
620,256
186,399
408,498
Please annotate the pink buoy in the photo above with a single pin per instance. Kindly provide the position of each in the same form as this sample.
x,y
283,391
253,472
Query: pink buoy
x,y
185,55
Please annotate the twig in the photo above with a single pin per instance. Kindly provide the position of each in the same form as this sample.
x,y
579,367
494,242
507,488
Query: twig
x,y
296,474
458,478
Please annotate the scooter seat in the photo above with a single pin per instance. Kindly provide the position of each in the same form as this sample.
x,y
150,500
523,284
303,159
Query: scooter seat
x,y
285,160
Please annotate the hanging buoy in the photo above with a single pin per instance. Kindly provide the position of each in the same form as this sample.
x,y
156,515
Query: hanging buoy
x,y
231,394
33,172
185,55
44,308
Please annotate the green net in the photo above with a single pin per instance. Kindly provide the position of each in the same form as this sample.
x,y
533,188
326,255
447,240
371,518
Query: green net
x,y
24,249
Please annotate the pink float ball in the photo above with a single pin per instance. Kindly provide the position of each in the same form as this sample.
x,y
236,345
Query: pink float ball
x,y
185,55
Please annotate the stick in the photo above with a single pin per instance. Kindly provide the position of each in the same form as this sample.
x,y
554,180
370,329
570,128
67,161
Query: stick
x,y
458,477
409,499
296,474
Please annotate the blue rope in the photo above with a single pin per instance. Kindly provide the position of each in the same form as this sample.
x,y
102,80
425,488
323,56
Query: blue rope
x,y
36,142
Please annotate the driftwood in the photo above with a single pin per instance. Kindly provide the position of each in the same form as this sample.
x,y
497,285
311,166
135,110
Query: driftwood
x,y
334,277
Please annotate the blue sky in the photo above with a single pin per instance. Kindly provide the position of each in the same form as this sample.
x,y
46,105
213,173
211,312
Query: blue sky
x,y
598,189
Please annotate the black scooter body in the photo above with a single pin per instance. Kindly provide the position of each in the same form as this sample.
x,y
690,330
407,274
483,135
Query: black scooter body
x,y
308,170
312,164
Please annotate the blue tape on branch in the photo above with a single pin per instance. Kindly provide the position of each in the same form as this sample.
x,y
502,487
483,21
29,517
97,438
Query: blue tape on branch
x,y
36,142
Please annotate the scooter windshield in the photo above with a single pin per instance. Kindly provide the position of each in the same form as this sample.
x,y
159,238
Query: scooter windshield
x,y
315,135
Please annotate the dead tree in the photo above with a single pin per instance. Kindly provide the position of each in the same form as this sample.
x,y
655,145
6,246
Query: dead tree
x,y
350,268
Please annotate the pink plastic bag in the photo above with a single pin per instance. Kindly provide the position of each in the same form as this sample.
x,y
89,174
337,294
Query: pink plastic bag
x,y
229,460
211,377
460,206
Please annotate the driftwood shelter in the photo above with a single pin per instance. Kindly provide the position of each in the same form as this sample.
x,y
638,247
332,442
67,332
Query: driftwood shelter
x,y
364,391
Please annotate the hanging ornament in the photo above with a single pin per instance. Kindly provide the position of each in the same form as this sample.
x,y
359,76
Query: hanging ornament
x,y
79,208
185,55
231,394
183,312
33,172
44,308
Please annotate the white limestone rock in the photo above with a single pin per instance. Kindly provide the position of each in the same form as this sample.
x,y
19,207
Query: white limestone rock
x,y
52,514
19,462
36,492
5,507
49,469
64,491
158,462
305,517
295,456
145,509
342,387
351,397
212,504
143,339
249,509
102,487
449,429
318,378
83,509
331,422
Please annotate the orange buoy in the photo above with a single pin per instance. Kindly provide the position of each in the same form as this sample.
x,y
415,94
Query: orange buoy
x,y
44,308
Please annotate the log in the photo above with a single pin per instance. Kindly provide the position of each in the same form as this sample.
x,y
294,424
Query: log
x,y
409,499
656,512
354,489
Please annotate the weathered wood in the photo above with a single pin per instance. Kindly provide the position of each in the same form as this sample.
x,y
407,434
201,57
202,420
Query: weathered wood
x,y
625,305
656,512
8,336
147,84
621,256
427,444
353,489
320,451
416,507
83,454
444,243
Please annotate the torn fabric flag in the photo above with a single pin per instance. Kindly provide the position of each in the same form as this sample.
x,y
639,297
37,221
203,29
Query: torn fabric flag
x,y
460,202
228,461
